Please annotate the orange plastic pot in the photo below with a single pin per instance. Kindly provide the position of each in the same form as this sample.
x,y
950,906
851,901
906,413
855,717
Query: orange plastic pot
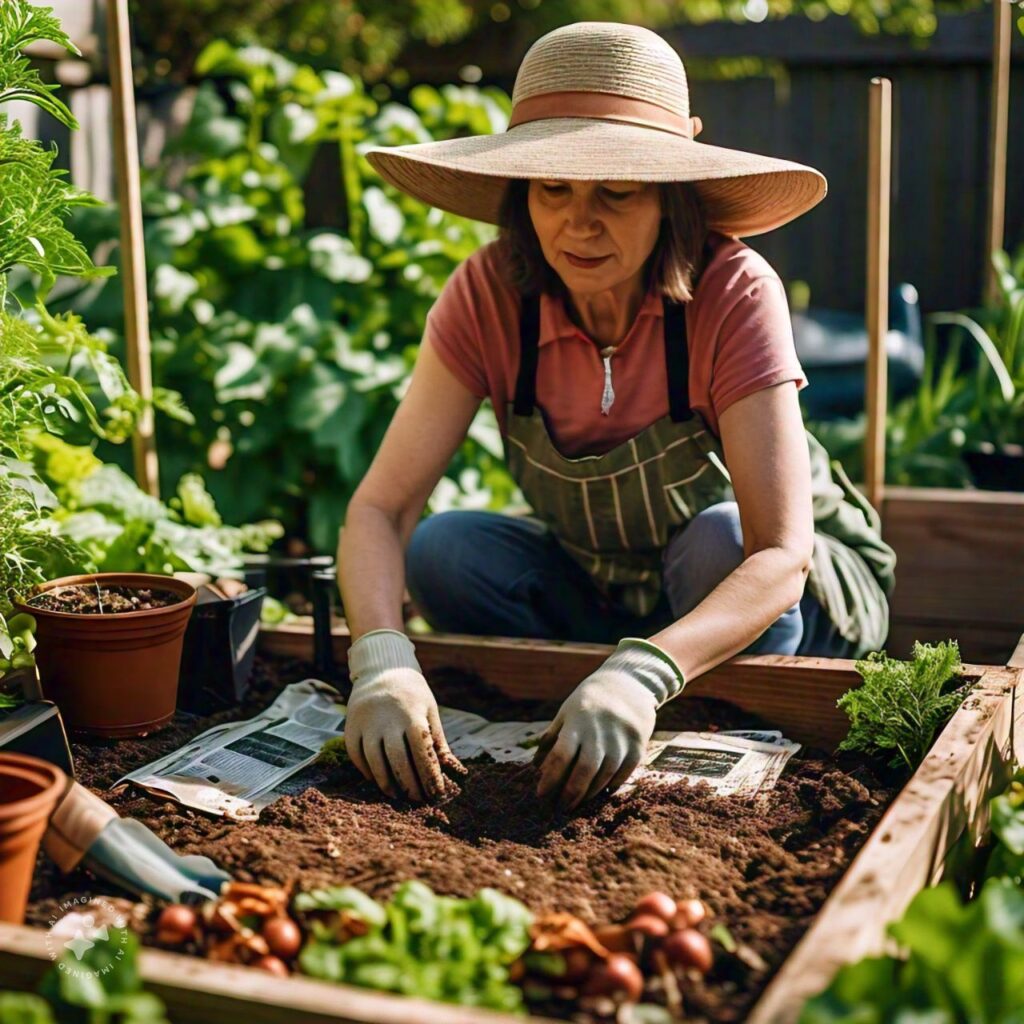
x,y
113,674
29,791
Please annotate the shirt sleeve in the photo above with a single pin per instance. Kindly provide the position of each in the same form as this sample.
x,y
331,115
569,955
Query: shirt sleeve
x,y
755,348
453,330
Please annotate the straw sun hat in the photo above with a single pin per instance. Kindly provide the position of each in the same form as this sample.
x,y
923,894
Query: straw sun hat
x,y
602,101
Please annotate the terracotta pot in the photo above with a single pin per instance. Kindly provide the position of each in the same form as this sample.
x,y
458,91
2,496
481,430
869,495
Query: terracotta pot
x,y
113,674
29,791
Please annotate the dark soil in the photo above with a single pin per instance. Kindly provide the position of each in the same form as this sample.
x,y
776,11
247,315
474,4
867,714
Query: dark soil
x,y
763,868
92,599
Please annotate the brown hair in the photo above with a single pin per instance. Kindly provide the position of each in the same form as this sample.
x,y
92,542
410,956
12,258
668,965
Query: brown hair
x,y
674,263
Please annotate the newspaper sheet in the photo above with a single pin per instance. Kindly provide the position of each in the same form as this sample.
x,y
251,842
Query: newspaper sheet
x,y
234,769
237,769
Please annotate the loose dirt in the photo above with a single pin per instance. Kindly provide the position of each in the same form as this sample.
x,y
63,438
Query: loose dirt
x,y
83,599
763,867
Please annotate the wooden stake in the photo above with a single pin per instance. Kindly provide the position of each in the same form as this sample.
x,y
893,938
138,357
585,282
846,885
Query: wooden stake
x,y
133,254
998,128
879,190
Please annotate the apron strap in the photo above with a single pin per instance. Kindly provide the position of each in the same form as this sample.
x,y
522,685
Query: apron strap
x,y
677,361
529,347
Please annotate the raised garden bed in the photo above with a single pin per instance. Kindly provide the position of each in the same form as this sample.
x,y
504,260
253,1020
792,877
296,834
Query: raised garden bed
x,y
958,574
764,873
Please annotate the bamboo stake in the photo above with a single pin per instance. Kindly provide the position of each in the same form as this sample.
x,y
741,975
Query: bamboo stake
x,y
999,110
133,255
877,301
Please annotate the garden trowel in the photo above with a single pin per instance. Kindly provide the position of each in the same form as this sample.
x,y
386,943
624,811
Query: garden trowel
x,y
85,830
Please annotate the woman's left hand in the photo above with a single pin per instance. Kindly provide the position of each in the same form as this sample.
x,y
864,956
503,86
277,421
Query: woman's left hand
x,y
602,729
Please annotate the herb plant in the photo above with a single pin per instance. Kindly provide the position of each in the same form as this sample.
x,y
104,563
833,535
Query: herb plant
x,y
901,704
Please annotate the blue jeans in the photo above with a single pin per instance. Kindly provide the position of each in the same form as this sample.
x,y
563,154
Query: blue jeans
x,y
488,574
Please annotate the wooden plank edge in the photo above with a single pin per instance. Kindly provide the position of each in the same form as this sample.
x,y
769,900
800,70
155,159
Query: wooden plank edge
x,y
296,640
947,796
942,495
799,693
198,991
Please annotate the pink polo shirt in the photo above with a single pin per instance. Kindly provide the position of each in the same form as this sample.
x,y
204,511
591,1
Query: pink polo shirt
x,y
740,334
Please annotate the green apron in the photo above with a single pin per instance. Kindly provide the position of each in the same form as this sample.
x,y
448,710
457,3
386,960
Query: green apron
x,y
615,513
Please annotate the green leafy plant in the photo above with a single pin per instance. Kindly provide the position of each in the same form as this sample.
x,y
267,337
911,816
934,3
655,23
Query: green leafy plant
x,y
61,510
291,342
962,962
901,704
959,961
1007,810
102,987
418,943
971,393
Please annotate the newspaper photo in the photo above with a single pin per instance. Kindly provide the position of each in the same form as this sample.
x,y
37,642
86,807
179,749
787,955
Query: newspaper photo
x,y
745,762
236,769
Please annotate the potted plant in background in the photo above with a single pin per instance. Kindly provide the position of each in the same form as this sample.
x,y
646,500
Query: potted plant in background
x,y
110,648
63,512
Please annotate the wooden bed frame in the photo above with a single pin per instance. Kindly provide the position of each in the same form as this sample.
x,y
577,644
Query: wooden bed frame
x,y
944,802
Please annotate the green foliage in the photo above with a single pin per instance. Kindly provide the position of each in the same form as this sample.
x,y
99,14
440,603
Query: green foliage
x,y
372,38
964,962
34,205
290,343
419,944
120,528
1007,857
103,987
960,962
901,704
954,411
21,25
57,380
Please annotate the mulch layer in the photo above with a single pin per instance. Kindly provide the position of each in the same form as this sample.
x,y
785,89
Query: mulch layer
x,y
763,867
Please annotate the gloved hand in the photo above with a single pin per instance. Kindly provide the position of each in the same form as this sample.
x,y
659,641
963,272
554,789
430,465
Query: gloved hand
x,y
604,725
392,728
85,830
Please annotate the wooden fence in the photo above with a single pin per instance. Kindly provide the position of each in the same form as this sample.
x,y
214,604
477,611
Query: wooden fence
x,y
812,108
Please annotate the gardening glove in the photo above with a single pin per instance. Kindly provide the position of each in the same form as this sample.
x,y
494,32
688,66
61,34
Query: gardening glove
x,y
393,730
85,830
602,729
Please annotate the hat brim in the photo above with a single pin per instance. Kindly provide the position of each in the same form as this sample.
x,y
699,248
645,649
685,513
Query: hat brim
x,y
744,193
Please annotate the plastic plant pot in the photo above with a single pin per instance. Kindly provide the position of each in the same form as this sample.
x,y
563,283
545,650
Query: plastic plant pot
x,y
29,791
219,651
113,674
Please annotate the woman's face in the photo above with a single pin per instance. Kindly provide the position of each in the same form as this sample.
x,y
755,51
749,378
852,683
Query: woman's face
x,y
617,220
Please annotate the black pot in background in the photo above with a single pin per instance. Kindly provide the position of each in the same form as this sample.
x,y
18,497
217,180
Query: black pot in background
x,y
36,728
997,469
219,650
283,575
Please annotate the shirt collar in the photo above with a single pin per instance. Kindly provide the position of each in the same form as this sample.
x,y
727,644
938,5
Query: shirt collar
x,y
555,324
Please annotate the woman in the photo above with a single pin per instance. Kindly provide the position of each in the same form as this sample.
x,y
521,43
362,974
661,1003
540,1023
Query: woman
x,y
641,364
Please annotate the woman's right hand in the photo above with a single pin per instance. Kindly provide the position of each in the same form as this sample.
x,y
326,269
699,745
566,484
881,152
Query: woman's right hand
x,y
393,729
